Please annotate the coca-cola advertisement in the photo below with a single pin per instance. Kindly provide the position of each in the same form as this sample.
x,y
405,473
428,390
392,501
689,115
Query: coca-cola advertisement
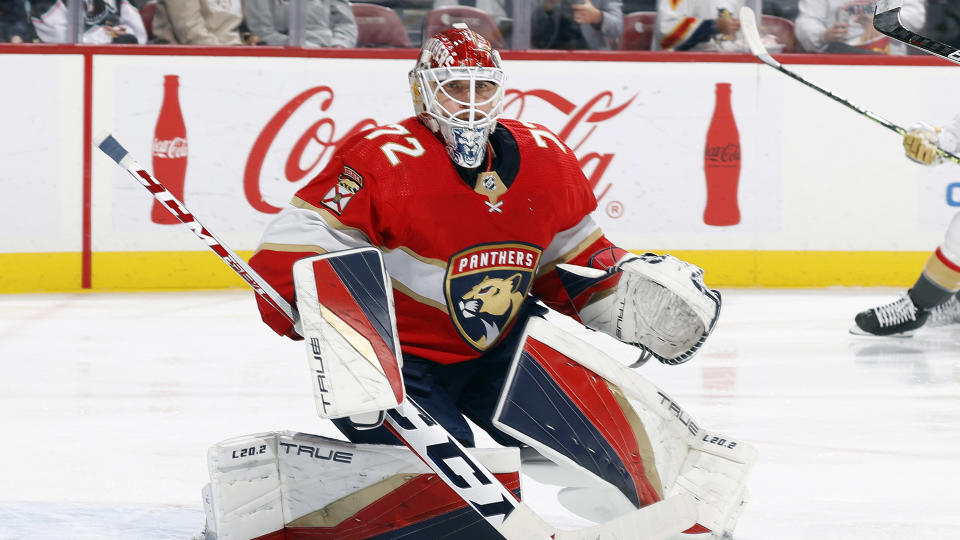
x,y
169,149
234,139
256,127
313,148
721,163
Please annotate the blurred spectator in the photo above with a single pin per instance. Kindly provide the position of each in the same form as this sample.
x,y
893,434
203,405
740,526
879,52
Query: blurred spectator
x,y
846,26
633,6
326,23
698,25
15,25
943,21
104,21
198,22
577,24
786,9
500,10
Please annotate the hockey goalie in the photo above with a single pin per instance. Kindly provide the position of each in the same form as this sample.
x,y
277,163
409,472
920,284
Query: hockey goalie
x,y
450,261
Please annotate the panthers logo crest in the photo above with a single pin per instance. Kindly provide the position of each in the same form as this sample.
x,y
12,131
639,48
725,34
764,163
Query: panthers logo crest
x,y
491,301
485,288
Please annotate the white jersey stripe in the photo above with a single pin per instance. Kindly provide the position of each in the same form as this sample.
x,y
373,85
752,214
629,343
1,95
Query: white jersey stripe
x,y
423,279
568,243
306,227
317,230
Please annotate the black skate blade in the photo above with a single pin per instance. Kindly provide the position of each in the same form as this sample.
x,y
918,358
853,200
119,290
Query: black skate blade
x,y
857,331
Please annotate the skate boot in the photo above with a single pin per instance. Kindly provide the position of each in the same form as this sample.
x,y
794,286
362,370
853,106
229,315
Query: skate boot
x,y
945,314
898,318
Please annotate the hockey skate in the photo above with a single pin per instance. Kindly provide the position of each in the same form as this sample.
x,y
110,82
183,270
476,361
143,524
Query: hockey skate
x,y
945,314
899,318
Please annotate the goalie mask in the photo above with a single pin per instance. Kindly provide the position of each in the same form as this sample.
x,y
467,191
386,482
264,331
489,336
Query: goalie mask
x,y
457,88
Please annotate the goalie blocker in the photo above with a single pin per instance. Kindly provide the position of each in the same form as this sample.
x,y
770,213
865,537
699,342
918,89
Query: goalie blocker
x,y
350,331
614,441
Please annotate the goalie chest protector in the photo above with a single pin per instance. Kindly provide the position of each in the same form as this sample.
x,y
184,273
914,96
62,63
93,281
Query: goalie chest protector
x,y
461,257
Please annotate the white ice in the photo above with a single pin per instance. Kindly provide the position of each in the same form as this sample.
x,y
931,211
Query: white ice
x,y
109,401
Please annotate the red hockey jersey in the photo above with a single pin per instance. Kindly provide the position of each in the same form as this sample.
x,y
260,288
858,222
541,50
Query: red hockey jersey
x,y
461,257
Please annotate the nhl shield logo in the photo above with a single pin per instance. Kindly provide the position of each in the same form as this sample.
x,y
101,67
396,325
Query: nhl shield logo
x,y
485,287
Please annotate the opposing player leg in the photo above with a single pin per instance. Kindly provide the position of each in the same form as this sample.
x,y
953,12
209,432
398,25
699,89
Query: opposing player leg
x,y
571,398
932,297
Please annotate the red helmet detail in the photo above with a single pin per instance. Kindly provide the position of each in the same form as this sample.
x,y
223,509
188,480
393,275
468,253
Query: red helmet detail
x,y
460,47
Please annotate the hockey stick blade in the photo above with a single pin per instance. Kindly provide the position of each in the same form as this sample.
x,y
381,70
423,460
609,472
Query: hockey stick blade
x,y
443,454
886,20
748,24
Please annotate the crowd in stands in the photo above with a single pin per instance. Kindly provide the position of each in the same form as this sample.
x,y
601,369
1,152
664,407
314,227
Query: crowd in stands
x,y
811,26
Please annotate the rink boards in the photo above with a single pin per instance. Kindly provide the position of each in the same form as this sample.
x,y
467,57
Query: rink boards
x,y
825,195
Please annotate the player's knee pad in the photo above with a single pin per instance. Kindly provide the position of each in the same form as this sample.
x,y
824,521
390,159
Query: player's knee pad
x,y
661,304
268,482
570,396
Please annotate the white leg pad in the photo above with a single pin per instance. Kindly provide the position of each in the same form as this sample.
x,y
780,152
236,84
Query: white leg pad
x,y
263,483
690,460
245,494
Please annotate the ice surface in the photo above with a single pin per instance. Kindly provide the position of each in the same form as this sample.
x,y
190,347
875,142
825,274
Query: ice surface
x,y
109,401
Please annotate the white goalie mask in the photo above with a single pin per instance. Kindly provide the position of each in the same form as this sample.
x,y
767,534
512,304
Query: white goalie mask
x,y
457,89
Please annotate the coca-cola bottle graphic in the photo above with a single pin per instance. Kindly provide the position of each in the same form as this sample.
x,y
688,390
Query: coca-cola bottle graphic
x,y
721,163
169,149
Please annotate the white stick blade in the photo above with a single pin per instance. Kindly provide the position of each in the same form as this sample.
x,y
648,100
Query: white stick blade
x,y
887,5
748,25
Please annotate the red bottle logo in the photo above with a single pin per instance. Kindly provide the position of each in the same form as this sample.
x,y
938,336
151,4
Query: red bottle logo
x,y
169,149
721,163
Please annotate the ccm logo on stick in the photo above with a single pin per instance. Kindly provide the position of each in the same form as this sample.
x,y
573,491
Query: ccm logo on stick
x,y
447,454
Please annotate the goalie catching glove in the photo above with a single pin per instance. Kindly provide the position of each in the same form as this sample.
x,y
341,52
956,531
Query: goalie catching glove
x,y
660,304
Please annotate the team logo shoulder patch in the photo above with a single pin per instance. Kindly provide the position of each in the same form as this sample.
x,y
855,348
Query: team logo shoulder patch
x,y
348,184
485,287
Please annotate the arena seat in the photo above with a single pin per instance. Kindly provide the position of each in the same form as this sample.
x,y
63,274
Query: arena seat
x,y
379,26
782,29
442,18
146,13
637,31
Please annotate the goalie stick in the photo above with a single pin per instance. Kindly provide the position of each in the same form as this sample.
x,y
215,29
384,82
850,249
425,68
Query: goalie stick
x,y
886,19
443,454
748,24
